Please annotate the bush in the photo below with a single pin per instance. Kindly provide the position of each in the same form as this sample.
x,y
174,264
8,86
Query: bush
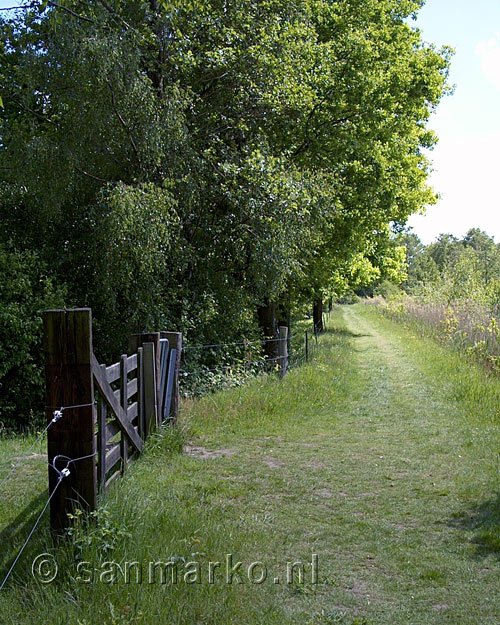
x,y
26,289
349,297
387,290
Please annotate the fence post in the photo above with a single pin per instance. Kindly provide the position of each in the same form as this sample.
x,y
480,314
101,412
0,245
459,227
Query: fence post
x,y
101,440
307,346
138,340
175,342
141,427
151,408
283,350
124,404
69,382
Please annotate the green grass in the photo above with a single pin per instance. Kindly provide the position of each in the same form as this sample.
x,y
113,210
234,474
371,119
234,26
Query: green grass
x,y
381,457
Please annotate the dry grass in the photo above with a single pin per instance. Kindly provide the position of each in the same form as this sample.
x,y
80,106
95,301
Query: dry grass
x,y
470,327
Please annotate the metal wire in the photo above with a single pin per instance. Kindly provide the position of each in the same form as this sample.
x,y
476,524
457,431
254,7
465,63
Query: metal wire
x,y
63,408
239,365
63,473
241,344
56,415
60,479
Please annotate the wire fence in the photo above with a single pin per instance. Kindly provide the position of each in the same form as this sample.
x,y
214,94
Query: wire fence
x,y
62,473
208,367
245,367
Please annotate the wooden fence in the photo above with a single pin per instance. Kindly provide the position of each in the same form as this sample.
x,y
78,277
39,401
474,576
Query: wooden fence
x,y
104,412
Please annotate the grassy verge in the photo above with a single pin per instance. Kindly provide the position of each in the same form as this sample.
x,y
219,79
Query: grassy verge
x,y
381,458
466,326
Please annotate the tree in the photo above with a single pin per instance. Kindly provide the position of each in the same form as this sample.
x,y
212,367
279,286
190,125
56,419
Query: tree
x,y
194,162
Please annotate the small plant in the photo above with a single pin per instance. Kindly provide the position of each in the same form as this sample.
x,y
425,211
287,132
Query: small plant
x,y
94,533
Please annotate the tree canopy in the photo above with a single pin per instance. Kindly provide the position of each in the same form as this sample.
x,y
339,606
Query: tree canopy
x,y
185,163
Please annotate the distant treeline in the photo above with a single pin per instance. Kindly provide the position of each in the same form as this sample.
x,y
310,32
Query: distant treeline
x,y
453,269
452,288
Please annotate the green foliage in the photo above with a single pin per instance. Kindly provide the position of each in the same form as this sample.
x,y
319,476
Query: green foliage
x,y
453,270
181,163
95,535
387,290
131,237
26,289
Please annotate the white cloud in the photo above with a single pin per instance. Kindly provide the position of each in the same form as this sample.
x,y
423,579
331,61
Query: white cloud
x,y
489,53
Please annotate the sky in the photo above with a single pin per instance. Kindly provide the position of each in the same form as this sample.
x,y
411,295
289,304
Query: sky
x,y
466,161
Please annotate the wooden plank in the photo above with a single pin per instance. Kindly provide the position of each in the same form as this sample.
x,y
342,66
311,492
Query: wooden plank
x,y
113,455
175,341
132,387
101,440
164,347
170,384
138,340
132,363
150,395
140,393
69,382
124,404
111,431
113,372
132,411
121,417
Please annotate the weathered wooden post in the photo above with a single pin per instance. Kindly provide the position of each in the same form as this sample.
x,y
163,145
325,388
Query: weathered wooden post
x,y
139,340
150,395
141,420
124,405
102,412
175,342
70,387
283,351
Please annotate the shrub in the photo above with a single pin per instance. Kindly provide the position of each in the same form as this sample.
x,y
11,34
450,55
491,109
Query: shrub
x,y
26,289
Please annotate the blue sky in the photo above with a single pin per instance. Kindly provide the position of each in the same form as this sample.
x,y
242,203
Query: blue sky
x,y
466,160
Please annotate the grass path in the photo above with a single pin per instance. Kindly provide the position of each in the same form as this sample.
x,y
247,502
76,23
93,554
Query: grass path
x,y
381,457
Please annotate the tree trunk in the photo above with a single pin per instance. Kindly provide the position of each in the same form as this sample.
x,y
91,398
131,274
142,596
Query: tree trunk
x,y
318,315
267,321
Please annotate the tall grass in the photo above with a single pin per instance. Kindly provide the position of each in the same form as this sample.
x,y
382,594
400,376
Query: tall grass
x,y
467,325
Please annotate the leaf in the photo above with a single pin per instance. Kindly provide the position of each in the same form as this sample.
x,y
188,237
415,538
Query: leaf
x,y
1,102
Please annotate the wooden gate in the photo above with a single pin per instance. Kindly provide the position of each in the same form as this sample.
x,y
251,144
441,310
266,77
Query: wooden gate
x,y
105,412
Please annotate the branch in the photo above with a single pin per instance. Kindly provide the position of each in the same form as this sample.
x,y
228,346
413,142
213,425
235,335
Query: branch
x,y
86,173
122,122
77,15
112,13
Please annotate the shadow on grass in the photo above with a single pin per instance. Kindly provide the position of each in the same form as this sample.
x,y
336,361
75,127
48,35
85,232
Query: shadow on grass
x,y
483,519
15,533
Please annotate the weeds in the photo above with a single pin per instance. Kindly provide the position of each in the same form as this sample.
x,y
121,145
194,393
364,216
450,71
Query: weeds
x,y
468,326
